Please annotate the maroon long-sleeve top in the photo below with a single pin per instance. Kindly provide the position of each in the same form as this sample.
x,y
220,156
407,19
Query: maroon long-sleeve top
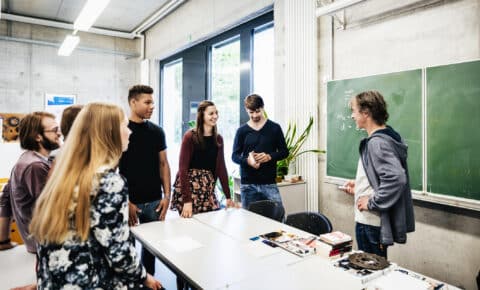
x,y
186,154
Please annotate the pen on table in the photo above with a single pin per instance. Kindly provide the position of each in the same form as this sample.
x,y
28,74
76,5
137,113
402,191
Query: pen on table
x,y
310,241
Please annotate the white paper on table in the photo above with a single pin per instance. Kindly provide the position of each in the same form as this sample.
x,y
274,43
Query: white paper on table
x,y
183,244
397,280
258,249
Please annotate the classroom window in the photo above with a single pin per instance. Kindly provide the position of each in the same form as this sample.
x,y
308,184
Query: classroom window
x,y
225,69
263,55
225,90
172,109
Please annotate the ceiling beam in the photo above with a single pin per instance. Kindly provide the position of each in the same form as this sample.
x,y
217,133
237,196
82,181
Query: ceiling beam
x,y
56,44
64,25
166,9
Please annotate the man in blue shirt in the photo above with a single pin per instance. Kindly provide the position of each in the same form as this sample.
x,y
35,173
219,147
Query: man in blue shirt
x,y
257,147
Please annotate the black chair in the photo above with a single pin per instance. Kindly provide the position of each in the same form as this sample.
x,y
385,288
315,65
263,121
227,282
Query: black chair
x,y
268,208
312,222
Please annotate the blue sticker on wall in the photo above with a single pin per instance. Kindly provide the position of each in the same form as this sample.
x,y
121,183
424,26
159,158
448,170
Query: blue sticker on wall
x,y
60,101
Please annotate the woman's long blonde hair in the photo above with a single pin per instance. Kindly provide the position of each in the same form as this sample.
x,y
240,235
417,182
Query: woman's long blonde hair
x,y
94,141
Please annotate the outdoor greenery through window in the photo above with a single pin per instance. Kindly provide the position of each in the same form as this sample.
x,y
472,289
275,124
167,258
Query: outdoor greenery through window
x,y
225,90
172,110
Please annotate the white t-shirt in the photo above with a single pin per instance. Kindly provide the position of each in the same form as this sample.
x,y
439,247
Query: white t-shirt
x,y
362,187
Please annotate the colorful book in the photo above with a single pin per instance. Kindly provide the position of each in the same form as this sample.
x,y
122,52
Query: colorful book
x,y
329,251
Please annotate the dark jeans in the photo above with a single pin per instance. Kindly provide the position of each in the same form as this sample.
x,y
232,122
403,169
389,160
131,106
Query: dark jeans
x,y
256,192
147,215
368,239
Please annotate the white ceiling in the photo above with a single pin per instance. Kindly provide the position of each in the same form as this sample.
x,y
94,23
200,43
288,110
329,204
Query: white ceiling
x,y
120,15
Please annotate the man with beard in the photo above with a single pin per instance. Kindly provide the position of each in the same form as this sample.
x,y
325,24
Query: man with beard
x,y
257,147
145,166
39,134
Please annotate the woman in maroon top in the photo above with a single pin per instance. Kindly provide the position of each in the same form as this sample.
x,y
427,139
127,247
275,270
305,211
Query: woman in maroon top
x,y
201,163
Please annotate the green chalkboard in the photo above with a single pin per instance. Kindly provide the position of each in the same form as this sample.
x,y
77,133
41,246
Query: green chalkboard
x,y
403,93
453,135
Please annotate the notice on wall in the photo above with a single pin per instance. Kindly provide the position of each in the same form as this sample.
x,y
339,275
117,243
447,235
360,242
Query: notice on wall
x,y
55,104
193,110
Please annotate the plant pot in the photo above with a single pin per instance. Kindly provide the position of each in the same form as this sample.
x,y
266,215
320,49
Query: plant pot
x,y
282,170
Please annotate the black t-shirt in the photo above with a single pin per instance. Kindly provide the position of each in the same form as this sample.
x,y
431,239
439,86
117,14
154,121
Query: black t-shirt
x,y
205,157
140,163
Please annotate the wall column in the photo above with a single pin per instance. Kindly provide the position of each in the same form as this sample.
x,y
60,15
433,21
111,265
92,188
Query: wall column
x,y
296,80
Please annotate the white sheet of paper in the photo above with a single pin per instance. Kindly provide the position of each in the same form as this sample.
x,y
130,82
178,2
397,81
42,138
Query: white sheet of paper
x,y
396,280
183,244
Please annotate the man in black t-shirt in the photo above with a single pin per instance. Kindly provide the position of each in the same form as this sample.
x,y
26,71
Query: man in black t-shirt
x,y
257,147
145,166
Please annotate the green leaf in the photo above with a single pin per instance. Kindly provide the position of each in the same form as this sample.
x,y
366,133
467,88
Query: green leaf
x,y
295,144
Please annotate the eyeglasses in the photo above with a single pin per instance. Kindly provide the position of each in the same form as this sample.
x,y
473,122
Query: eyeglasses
x,y
53,130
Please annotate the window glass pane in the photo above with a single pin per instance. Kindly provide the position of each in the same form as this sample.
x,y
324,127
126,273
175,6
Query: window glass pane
x,y
225,91
263,53
172,110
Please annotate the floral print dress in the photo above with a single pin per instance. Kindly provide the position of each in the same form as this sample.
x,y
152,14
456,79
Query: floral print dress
x,y
108,259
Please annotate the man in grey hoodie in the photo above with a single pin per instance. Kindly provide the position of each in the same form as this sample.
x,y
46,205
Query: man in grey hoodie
x,y
383,199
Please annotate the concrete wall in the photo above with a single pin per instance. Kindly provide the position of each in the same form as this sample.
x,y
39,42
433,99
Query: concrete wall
x,y
388,36
103,70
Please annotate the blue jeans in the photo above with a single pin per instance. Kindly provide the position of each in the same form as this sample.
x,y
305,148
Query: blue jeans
x,y
256,192
148,214
368,239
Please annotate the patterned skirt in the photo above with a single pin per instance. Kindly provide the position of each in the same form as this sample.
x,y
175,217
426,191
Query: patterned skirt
x,y
202,186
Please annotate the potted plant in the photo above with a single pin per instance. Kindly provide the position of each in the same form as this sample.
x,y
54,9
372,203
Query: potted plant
x,y
294,145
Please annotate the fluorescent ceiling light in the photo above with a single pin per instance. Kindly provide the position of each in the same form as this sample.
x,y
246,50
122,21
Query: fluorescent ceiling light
x,y
89,13
68,45
335,6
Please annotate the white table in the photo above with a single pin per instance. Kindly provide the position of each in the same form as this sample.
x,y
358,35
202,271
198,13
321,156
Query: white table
x,y
204,256
242,224
213,251
17,268
312,273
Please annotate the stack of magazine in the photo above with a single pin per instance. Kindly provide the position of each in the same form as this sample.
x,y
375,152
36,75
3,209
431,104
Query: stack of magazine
x,y
298,245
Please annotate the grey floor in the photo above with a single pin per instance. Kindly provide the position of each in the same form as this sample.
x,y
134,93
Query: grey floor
x,y
165,276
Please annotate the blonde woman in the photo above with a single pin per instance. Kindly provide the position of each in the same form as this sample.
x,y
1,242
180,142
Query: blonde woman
x,y
80,221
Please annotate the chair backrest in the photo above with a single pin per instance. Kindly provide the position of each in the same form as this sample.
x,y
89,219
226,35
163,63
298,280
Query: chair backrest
x,y
312,222
268,208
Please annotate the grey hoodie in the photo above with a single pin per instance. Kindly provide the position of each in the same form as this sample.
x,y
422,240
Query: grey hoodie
x,y
384,158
